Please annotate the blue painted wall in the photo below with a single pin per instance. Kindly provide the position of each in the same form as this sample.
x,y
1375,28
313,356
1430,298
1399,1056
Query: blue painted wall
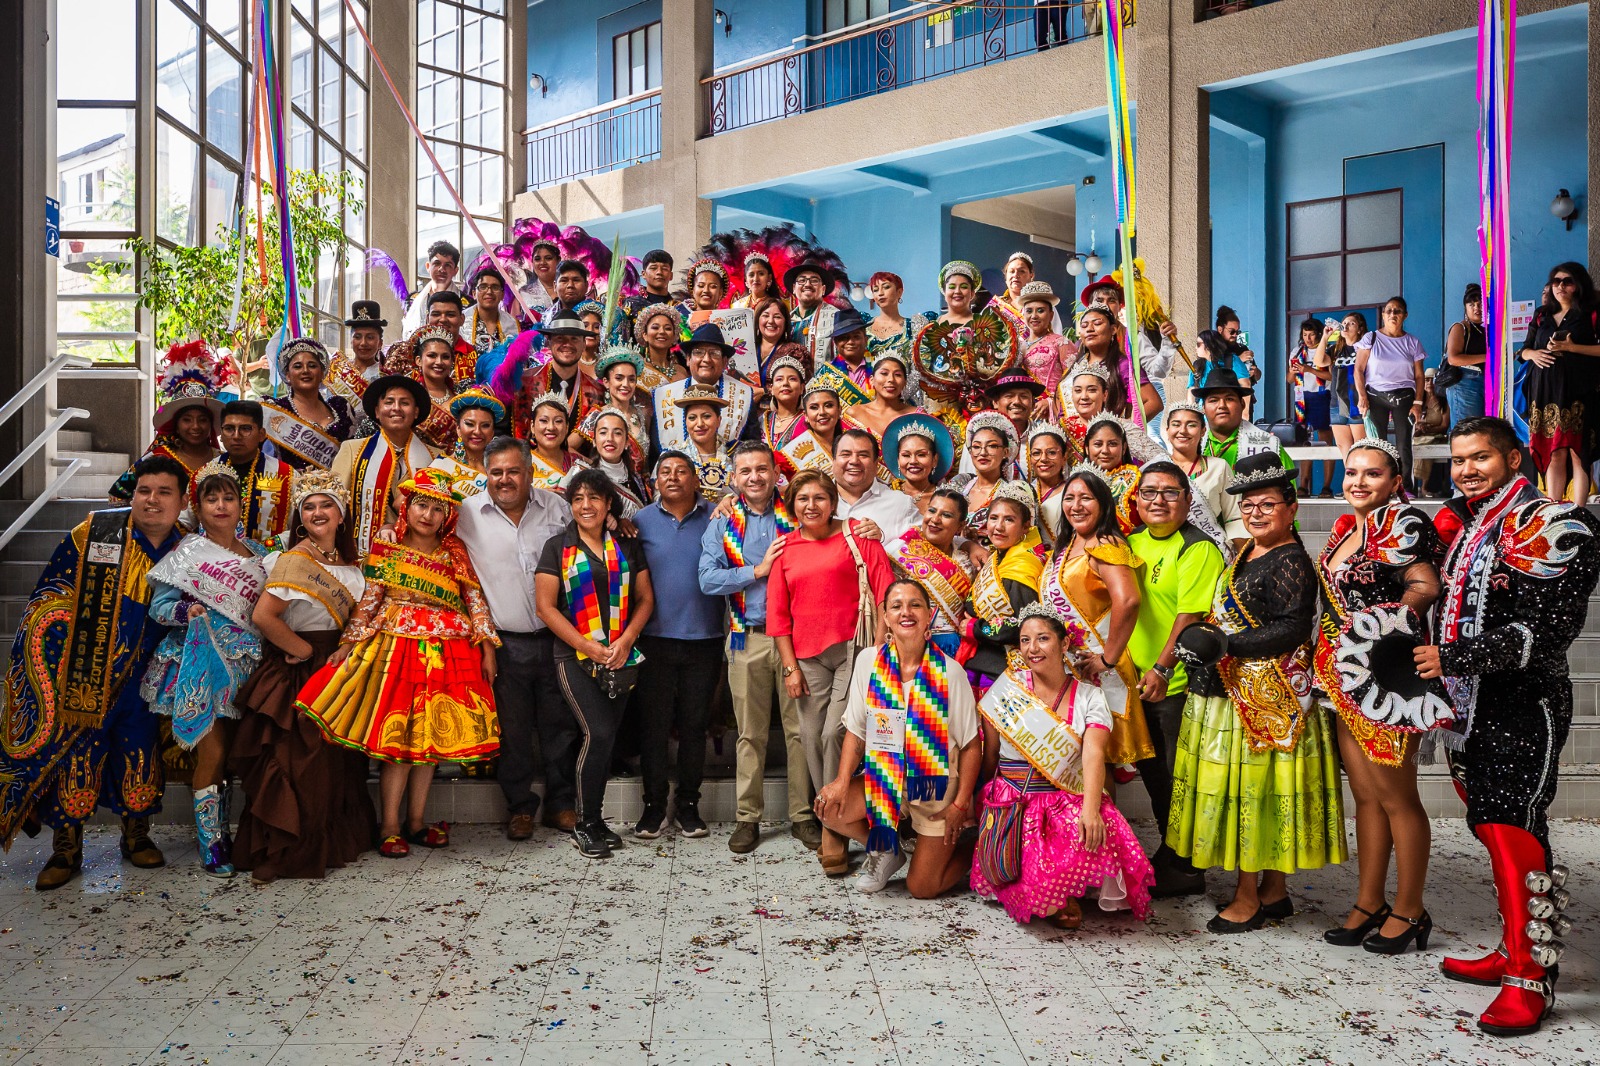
x,y
1306,149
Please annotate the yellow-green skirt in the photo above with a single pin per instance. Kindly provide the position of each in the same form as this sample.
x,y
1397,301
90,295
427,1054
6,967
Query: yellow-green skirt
x,y
1247,810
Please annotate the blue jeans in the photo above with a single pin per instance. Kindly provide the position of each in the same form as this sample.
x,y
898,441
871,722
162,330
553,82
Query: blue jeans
x,y
1466,396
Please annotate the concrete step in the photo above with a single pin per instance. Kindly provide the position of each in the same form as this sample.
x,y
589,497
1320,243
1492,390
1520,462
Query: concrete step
x,y
81,440
62,513
113,463
89,485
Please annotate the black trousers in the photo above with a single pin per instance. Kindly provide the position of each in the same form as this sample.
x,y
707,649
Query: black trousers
x,y
529,703
600,718
676,686
1048,17
1397,402
1162,719
1510,763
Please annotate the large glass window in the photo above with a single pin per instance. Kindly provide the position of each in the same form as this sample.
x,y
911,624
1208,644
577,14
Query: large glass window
x,y
636,61
461,94
1344,251
840,14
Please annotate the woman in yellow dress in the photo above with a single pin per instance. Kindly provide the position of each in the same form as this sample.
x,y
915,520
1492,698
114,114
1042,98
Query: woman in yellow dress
x,y
411,682
1090,581
547,435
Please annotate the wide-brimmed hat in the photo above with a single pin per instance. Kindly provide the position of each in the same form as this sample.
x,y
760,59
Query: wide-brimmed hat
x,y
1221,379
846,322
1262,470
616,355
481,398
918,424
365,313
1086,297
1014,379
564,323
810,266
381,385
191,375
1201,644
696,395
706,333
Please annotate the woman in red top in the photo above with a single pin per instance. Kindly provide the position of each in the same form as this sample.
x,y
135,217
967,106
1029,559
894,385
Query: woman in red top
x,y
819,599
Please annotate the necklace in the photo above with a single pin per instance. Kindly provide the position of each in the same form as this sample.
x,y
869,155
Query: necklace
x,y
327,556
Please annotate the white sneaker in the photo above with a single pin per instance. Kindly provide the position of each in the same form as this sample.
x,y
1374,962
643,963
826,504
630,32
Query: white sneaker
x,y
876,871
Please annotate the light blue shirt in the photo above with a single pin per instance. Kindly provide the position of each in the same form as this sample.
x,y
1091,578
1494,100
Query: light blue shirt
x,y
682,611
718,577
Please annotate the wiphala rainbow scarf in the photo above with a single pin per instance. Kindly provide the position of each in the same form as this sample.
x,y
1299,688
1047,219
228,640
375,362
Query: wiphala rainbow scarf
x,y
583,597
921,769
733,548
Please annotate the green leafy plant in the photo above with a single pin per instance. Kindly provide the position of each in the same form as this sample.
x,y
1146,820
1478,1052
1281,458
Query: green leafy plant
x,y
190,290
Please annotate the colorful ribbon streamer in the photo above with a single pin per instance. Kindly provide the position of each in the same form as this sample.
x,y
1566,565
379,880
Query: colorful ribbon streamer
x,y
1122,183
273,113
1497,50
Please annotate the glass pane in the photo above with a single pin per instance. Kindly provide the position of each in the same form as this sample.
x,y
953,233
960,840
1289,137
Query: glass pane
x,y
222,200
94,167
355,119
300,143
494,50
832,14
636,48
1314,282
425,17
329,159
177,64
492,121
224,100
223,17
1313,229
89,266
300,72
330,23
1372,221
355,226
619,67
472,112
1371,277
89,65
327,294
446,109
447,44
329,109
652,47
177,178
328,331
472,44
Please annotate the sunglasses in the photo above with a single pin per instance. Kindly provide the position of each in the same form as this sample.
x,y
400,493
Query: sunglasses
x,y
1565,282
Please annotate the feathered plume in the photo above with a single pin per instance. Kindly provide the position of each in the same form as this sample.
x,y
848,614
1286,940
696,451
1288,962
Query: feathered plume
x,y
781,246
377,259
501,368
1152,313
613,298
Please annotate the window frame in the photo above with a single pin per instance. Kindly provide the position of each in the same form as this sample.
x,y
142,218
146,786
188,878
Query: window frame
x,y
627,36
1343,252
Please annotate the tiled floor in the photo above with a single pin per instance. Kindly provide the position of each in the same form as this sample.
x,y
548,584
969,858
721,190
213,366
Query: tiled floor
x,y
678,952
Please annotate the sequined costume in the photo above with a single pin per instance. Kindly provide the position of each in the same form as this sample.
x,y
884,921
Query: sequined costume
x,y
1256,783
1396,538
76,733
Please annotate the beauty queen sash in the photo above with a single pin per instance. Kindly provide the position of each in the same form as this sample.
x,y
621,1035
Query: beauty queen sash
x,y
430,577
1272,696
908,740
1037,730
733,551
222,580
298,437
939,573
91,645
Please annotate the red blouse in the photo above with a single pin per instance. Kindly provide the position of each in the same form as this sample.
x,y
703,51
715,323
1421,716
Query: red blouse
x,y
811,592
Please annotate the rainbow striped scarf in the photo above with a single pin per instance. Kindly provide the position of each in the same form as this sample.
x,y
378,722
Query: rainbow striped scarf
x,y
920,769
733,549
583,597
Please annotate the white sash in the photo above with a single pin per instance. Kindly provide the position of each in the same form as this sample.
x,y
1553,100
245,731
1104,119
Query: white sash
x,y
225,582
1045,740
297,436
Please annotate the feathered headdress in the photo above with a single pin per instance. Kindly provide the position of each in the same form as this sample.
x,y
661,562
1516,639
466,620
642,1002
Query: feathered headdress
x,y
190,375
780,247
378,259
501,367
958,363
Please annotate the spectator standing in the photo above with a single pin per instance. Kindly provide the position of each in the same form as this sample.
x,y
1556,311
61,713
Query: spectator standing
x,y
1389,379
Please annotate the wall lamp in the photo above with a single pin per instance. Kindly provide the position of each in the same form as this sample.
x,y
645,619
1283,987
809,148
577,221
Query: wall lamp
x,y
536,81
724,21
858,292
1564,208
1081,262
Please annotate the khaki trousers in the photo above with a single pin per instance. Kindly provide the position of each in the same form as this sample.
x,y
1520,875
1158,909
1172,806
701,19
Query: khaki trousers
x,y
754,674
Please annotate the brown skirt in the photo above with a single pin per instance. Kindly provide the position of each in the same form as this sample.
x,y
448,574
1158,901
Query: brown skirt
x,y
307,809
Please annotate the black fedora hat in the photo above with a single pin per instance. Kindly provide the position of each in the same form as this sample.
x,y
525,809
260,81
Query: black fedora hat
x,y
1221,379
1202,644
382,385
706,333
365,313
563,323
846,322
810,266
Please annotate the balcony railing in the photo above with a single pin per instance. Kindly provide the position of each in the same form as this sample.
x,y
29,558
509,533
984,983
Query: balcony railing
x,y
879,57
601,139
1210,9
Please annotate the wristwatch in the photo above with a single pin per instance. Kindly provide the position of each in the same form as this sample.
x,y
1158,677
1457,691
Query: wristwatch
x,y
787,670
1164,671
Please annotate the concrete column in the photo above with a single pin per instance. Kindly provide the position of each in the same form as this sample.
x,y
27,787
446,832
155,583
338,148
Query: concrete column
x,y
391,193
687,56
1594,141
1189,192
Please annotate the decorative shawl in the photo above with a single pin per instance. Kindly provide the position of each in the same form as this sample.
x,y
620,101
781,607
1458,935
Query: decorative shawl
x,y
940,574
583,597
733,550
907,741
377,471
439,578
299,572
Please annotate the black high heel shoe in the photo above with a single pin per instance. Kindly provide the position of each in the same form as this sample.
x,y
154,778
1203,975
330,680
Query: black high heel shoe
x,y
1418,929
1339,936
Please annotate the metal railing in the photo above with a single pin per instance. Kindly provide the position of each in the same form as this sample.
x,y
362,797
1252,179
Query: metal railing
x,y
1211,9
890,54
58,419
609,137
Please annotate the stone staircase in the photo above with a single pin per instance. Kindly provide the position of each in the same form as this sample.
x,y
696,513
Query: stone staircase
x,y
466,801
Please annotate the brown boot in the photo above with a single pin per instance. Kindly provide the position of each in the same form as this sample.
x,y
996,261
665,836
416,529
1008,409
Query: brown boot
x,y
137,847
65,862
834,853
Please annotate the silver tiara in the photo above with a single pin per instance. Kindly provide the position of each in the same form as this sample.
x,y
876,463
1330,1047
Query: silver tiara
x,y
1018,492
1046,429
1242,483
1041,609
1096,370
1192,408
550,399
1105,418
786,361
1378,444
1088,469
996,421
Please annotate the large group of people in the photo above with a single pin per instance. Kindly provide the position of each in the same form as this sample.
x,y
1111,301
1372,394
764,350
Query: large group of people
x,y
987,564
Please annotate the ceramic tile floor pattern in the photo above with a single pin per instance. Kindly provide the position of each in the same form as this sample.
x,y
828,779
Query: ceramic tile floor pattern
x,y
676,951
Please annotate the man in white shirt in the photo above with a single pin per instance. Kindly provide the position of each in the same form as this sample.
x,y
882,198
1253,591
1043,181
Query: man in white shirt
x,y
488,323
444,259
505,529
880,513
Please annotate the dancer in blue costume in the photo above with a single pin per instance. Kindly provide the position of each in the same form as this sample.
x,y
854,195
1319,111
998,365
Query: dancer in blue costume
x,y
74,731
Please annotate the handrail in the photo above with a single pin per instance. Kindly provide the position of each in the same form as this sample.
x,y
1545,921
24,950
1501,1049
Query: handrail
x,y
62,417
622,101
13,405
71,467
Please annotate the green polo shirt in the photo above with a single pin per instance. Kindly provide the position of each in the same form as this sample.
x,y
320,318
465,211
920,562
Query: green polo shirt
x,y
1179,576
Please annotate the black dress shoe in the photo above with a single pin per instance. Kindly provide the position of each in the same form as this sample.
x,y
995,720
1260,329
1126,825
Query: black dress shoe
x,y
590,840
1219,924
1278,910
609,835
1349,938
1418,929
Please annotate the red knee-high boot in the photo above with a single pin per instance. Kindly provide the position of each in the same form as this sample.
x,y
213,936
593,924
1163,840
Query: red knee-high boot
x,y
1491,967
1529,920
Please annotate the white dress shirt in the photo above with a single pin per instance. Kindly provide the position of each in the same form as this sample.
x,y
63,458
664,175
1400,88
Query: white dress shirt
x,y
500,549
893,510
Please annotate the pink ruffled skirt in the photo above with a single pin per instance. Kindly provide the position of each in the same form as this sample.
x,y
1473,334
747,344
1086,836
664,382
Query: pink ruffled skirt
x,y
1052,866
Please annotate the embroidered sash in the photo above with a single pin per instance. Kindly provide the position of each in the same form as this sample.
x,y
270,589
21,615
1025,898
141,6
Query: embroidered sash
x,y
432,578
1036,730
298,572
85,678
583,596
989,599
670,430
907,741
807,452
378,469
298,437
223,581
733,551
1082,631
1272,696
939,573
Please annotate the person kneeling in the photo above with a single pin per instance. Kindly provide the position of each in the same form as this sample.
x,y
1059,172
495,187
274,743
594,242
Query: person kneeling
x,y
912,727
1049,834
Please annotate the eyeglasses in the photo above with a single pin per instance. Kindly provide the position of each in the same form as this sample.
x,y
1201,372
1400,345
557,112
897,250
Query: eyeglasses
x,y
1261,507
1565,282
1152,495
